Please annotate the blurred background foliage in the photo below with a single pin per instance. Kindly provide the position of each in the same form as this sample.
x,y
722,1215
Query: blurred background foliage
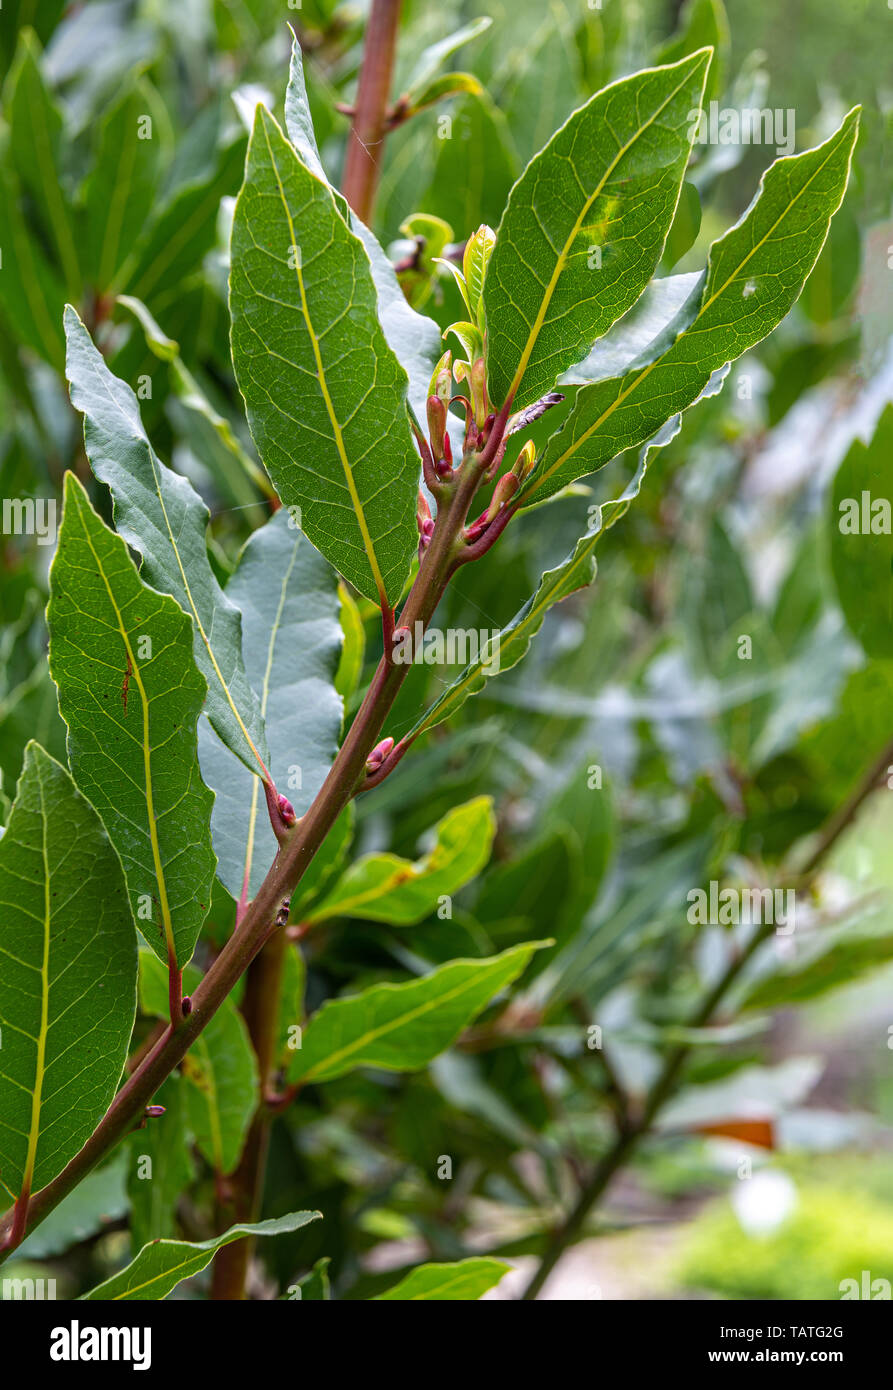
x,y
634,755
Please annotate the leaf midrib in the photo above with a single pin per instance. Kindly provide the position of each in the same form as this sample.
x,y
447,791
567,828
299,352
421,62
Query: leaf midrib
x,y
150,454
166,919
578,223
265,695
356,503
374,1034
40,1062
645,372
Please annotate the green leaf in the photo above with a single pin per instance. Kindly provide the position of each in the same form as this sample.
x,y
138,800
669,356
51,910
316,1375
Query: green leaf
x,y
35,146
448,84
829,959
413,338
68,977
464,1279
402,1027
702,24
223,1088
859,528
220,1069
120,192
754,275
541,82
291,1003
159,514
129,692
31,294
432,58
163,1264
585,226
286,593
386,888
199,419
183,232
631,336
325,393
350,666
160,1165
475,166
316,1287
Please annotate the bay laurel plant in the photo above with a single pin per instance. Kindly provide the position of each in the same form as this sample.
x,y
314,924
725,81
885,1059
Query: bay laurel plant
x,y
204,723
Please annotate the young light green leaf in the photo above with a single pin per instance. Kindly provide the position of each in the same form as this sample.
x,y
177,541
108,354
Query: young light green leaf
x,y
130,694
163,1264
432,58
861,507
326,396
220,1070
159,514
754,275
413,338
121,188
402,1027
35,147
585,226
67,978
385,888
463,1279
448,84
350,666
224,1089
286,593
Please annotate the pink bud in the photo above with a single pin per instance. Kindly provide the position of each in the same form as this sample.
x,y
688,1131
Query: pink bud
x,y
287,811
436,425
154,1111
378,754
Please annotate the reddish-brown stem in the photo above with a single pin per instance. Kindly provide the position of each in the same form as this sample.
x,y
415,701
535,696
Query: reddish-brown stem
x,y
295,854
365,143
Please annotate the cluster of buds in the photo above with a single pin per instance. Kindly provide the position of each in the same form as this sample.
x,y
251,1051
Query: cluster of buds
x,y
505,490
